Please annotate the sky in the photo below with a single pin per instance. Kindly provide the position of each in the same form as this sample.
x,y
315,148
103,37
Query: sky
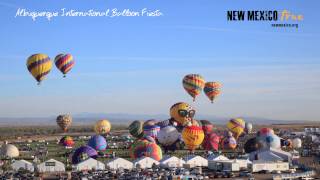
x,y
135,65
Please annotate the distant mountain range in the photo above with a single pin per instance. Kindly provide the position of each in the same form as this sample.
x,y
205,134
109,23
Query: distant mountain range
x,y
123,118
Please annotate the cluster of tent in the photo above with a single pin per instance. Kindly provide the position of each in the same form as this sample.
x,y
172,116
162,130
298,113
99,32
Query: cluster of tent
x,y
195,83
181,131
39,65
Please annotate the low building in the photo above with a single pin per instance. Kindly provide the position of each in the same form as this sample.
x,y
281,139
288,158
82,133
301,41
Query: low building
x,y
119,163
89,164
51,165
22,164
257,166
270,154
145,162
171,161
194,161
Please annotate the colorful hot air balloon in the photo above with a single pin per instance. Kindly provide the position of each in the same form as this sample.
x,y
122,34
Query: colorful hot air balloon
x,y
207,126
229,143
66,141
168,135
97,142
264,132
136,129
151,130
212,90
273,141
64,62
193,84
83,153
39,65
192,136
165,123
102,127
286,142
211,142
182,113
150,122
64,121
248,128
236,126
144,148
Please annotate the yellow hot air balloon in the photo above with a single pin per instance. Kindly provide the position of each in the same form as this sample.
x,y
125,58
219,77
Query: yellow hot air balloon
x,y
192,136
236,126
39,65
182,113
212,90
193,84
64,121
102,126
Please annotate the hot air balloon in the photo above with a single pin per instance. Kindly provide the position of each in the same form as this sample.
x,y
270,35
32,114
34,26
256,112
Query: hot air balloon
x,y
64,121
236,126
296,143
211,142
207,126
273,141
212,90
136,129
150,122
165,123
151,130
144,148
192,136
229,143
9,150
182,113
97,142
193,84
66,141
102,127
64,62
264,132
248,127
83,153
251,145
168,135
39,65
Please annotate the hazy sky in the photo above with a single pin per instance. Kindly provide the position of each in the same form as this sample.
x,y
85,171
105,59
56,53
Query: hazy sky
x,y
136,64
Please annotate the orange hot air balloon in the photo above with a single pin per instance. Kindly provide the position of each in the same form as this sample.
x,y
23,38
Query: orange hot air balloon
x,y
193,84
192,136
212,90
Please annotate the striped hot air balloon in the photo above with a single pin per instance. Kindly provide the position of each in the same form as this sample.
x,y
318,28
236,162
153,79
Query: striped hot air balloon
x,y
212,90
193,84
39,65
64,62
236,126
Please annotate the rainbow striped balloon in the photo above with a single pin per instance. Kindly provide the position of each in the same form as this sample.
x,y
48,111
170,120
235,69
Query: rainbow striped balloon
x,y
39,65
212,90
193,84
64,62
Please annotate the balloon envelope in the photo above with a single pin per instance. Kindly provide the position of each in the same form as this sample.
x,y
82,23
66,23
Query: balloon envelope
x,y
296,143
102,126
97,142
83,153
248,128
207,126
168,135
193,84
39,65
229,143
136,129
151,130
64,121
211,142
236,126
144,148
212,90
66,141
64,62
192,136
182,113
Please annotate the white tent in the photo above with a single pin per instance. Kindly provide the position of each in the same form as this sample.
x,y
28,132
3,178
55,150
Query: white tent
x,y
193,161
145,162
270,154
89,164
171,161
214,157
22,164
119,163
51,165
